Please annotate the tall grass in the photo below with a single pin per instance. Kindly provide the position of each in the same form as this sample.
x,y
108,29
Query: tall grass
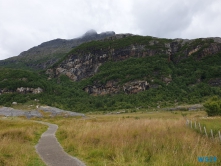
x,y
135,142
17,140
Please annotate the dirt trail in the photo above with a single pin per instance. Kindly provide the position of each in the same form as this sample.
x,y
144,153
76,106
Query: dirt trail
x,y
51,151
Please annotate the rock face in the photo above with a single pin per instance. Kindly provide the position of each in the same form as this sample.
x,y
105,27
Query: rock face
x,y
111,87
167,80
29,90
135,87
215,82
23,90
48,53
83,64
210,50
5,91
80,65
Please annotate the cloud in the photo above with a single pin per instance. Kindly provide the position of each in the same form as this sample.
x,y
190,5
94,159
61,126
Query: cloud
x,y
206,22
3,53
25,23
173,19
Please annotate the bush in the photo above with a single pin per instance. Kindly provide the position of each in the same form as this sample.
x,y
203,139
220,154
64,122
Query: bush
x,y
213,106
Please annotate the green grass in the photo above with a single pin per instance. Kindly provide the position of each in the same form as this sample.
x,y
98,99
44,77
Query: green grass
x,y
18,139
213,124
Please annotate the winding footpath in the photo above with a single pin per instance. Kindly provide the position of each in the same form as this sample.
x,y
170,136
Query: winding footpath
x,y
51,152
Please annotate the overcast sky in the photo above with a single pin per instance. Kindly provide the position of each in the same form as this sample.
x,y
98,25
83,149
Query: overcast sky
x,y
28,23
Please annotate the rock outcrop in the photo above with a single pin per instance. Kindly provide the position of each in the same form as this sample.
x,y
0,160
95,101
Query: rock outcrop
x,y
84,64
215,82
112,87
213,48
167,80
5,91
135,87
29,90
23,90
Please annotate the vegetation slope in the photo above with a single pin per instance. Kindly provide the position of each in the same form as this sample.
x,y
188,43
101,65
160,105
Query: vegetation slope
x,y
191,81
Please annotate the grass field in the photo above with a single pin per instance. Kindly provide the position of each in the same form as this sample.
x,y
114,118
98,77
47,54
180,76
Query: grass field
x,y
127,139
17,142
138,139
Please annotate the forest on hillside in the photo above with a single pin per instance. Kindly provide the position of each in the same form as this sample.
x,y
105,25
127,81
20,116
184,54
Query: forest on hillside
x,y
190,84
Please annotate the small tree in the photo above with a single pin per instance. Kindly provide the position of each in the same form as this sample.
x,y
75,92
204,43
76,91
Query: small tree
x,y
213,106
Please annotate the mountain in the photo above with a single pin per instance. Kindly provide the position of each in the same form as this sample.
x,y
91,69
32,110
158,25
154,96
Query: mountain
x,y
119,72
48,53
122,62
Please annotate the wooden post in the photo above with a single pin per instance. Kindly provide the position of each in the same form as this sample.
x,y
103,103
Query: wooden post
x,y
191,124
211,133
187,122
195,124
200,127
205,131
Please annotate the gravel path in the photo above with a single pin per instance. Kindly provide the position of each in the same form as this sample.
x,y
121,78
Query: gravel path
x,y
51,151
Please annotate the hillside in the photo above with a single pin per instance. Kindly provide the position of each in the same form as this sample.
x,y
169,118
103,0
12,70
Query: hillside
x,y
136,63
46,54
122,71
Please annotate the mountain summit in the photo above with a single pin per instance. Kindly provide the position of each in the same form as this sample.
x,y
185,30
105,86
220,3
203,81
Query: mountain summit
x,y
48,53
91,32
93,35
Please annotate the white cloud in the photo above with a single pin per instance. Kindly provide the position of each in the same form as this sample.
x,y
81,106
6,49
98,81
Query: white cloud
x,y
179,19
25,23
4,54
206,23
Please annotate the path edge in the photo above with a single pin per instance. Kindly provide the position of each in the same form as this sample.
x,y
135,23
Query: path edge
x,y
79,162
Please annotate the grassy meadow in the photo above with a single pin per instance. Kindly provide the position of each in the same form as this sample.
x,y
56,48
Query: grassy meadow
x,y
138,139
17,142
128,139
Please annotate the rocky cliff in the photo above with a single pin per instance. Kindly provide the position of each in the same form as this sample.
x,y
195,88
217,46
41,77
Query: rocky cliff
x,y
84,62
112,87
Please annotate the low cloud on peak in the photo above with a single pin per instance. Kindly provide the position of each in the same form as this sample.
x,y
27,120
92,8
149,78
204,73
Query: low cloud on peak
x,y
24,23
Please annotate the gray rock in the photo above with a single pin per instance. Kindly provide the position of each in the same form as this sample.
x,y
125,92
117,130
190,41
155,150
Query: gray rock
x,y
33,113
185,108
29,90
56,111
6,111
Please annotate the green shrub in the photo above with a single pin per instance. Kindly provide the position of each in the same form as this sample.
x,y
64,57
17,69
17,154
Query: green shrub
x,y
213,106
